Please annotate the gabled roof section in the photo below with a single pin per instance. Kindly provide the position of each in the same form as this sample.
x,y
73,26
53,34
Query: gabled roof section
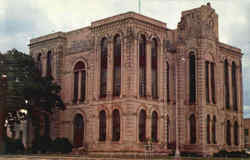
x,y
128,15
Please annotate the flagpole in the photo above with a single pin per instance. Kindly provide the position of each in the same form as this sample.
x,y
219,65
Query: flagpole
x,y
139,6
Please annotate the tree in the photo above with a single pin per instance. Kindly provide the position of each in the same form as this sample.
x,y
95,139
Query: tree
x,y
27,89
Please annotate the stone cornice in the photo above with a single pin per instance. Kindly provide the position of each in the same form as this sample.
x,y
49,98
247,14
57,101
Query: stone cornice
x,y
231,48
48,37
126,16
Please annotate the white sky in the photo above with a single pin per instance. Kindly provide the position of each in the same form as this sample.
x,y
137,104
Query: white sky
x,y
21,20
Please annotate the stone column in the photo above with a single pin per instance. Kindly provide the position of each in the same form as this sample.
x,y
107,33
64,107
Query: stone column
x,y
161,76
201,97
97,71
230,83
110,68
123,66
148,69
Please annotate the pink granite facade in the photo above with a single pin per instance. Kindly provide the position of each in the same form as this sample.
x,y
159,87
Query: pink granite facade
x,y
207,106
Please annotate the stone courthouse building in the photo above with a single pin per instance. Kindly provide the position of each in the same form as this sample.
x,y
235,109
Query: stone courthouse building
x,y
128,79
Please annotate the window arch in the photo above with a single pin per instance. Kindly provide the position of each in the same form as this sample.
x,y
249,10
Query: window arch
x,y
226,82
154,128
208,129
116,125
102,125
117,66
228,132
49,61
214,130
154,67
78,131
79,75
142,66
192,78
142,126
234,86
236,133
39,62
192,129
104,67
167,82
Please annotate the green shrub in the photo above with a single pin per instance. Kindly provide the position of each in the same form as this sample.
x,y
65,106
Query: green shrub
x,y
42,144
62,145
233,154
14,146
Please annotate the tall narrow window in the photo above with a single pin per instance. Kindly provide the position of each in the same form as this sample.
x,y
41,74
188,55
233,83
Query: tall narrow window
x,y
46,125
234,83
226,81
116,125
154,68
142,66
228,132
236,133
168,130
192,78
192,129
76,79
39,63
213,83
154,129
117,67
142,126
78,131
49,60
167,81
214,130
83,86
104,67
79,68
102,126
207,82
208,129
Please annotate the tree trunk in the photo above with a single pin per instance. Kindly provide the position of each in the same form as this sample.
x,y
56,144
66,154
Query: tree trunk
x,y
2,131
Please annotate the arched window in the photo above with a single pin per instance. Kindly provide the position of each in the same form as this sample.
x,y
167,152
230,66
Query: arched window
x,y
207,82
213,83
154,68
228,132
192,129
234,86
78,130
104,67
192,78
117,67
102,126
214,130
226,82
236,133
79,72
142,66
116,125
208,129
142,126
168,130
167,81
49,60
39,63
154,129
